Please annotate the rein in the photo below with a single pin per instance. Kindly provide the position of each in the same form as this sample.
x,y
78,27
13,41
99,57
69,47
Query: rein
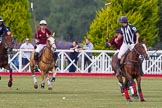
x,y
49,48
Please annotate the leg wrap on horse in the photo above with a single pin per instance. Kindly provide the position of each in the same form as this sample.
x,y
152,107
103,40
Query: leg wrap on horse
x,y
126,93
141,96
132,87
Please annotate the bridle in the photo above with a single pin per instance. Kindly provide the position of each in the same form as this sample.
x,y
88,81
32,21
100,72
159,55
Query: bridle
x,y
140,54
49,48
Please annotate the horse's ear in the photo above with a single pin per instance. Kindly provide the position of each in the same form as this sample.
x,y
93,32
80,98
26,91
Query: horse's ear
x,y
142,41
53,34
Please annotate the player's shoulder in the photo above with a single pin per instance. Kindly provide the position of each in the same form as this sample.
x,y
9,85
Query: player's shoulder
x,y
133,28
130,25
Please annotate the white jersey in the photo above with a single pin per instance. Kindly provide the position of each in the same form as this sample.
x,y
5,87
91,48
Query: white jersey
x,y
129,34
26,54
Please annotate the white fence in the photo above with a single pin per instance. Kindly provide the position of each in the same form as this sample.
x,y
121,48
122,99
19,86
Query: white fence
x,y
100,61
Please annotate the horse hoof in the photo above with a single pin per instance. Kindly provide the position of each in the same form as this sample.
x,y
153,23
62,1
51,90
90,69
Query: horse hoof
x,y
35,85
9,83
53,79
135,96
129,100
42,85
49,88
123,94
142,100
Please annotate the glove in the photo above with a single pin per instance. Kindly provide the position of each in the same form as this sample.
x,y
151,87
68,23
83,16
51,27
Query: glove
x,y
36,41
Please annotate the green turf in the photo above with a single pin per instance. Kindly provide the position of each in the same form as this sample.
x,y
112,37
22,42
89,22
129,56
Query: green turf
x,y
79,92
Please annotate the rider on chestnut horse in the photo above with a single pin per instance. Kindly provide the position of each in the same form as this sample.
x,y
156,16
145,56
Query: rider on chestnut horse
x,y
41,36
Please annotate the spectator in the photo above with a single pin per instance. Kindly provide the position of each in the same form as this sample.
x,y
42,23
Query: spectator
x,y
26,54
74,55
87,61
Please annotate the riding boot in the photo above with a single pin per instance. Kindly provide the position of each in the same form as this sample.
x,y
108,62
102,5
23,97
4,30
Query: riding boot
x,y
141,70
36,61
117,66
55,56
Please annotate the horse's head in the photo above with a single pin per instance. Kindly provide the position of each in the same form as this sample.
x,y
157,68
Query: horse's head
x,y
7,42
51,43
141,50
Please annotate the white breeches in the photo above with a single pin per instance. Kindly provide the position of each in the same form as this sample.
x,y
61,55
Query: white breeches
x,y
124,48
40,47
116,51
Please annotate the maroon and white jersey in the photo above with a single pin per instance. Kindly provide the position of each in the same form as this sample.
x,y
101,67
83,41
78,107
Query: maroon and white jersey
x,y
118,44
42,36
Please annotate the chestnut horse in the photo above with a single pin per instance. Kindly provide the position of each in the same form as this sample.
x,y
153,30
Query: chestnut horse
x,y
6,46
130,70
46,63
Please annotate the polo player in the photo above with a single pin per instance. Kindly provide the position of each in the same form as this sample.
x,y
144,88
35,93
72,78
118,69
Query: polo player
x,y
3,29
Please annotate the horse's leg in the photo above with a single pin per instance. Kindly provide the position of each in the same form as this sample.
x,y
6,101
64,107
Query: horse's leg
x,y
43,79
48,82
54,74
138,79
121,84
10,75
126,91
132,87
32,63
10,79
34,78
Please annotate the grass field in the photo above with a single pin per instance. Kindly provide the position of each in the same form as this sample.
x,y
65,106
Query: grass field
x,y
76,92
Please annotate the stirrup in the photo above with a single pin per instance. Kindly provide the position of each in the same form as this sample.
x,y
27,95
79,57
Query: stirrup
x,y
36,68
118,72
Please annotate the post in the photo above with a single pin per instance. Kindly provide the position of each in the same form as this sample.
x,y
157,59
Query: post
x,y
106,5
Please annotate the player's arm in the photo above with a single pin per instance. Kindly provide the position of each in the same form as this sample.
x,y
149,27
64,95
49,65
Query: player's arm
x,y
136,33
137,37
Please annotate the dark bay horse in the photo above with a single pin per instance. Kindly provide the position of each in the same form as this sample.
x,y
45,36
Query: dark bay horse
x,y
130,68
6,46
46,63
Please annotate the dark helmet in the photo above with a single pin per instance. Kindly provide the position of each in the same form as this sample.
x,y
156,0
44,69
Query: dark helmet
x,y
1,19
123,19
118,30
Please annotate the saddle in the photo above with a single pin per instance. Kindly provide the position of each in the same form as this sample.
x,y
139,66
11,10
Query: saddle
x,y
40,56
123,61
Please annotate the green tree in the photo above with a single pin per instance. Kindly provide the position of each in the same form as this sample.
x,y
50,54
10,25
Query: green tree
x,y
70,19
16,15
142,13
158,41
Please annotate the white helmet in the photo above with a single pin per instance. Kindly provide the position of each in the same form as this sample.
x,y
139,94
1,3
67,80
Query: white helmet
x,y
43,22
